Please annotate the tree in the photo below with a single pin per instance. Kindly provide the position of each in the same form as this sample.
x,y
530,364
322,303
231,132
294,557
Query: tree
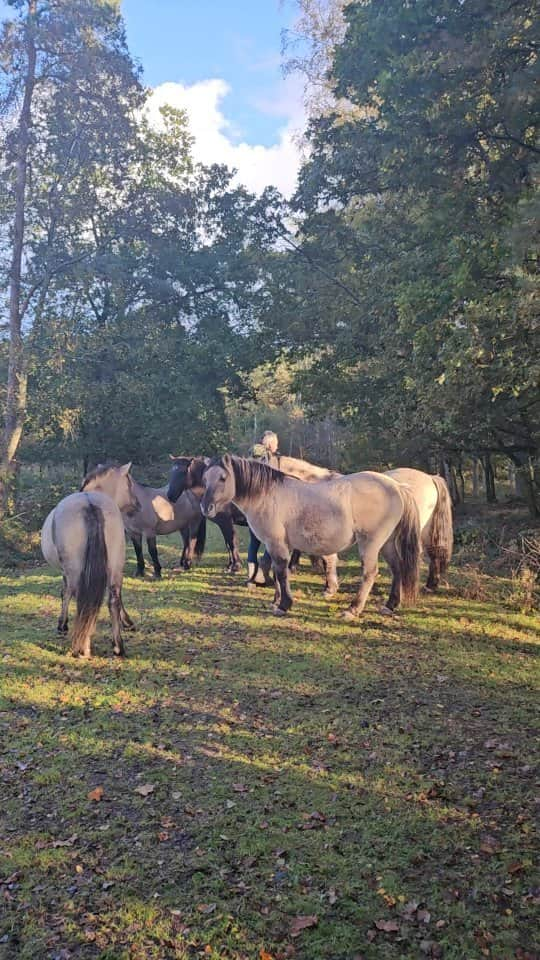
x,y
70,92
413,204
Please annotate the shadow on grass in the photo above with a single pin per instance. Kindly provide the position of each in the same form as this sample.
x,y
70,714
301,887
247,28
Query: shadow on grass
x,y
297,767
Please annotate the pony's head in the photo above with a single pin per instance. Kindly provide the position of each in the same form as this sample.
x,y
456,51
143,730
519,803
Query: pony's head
x,y
116,482
186,474
231,478
219,485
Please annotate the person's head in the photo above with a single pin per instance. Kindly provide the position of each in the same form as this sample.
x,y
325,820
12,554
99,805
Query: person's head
x,y
270,441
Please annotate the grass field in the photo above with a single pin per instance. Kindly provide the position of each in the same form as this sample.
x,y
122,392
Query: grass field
x,y
245,786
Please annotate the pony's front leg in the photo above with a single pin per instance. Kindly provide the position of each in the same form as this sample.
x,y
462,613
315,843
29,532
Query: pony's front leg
x,y
331,585
136,539
283,598
370,570
115,608
185,559
236,559
152,550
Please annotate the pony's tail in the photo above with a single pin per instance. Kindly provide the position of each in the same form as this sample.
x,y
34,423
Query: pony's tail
x,y
92,581
441,533
408,546
200,543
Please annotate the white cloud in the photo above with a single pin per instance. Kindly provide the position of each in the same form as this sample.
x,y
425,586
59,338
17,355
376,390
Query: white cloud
x,y
258,166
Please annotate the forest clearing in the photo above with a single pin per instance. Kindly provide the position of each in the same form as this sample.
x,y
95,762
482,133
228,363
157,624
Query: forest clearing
x,y
270,393
239,777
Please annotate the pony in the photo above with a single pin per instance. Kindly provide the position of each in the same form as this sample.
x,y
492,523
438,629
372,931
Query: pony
x,y
157,516
436,524
187,474
84,537
323,518
186,477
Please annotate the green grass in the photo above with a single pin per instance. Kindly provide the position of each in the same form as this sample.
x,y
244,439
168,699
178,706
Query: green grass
x,y
300,767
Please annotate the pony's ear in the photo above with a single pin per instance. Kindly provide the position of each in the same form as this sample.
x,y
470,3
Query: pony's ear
x,y
226,459
207,461
125,469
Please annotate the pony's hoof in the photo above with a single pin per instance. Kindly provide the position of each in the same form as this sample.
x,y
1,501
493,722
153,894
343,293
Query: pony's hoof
x,y
139,574
350,615
278,612
386,611
329,594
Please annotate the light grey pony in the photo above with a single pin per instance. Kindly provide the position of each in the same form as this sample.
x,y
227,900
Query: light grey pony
x,y
84,537
432,498
322,519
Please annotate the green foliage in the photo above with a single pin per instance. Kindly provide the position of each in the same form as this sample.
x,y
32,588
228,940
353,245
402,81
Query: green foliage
x,y
414,291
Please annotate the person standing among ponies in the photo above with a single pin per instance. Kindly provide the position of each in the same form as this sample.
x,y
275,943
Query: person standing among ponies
x,y
263,451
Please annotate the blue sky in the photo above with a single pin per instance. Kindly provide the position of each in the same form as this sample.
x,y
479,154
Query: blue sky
x,y
239,41
221,61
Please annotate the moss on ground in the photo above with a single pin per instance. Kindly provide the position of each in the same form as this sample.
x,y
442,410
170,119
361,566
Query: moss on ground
x,y
241,771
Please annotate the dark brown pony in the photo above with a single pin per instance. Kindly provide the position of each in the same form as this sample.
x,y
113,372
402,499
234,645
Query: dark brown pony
x,y
187,475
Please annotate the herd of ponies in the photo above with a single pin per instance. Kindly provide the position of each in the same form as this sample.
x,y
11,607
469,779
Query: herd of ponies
x,y
290,505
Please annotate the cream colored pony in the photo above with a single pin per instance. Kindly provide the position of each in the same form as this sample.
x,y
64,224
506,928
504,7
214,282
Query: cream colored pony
x,y
84,537
323,518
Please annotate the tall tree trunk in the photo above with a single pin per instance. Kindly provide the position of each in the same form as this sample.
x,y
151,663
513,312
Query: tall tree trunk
x,y
461,479
17,374
475,477
528,481
489,475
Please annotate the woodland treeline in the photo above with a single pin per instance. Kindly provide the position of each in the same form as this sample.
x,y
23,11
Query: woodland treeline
x,y
386,314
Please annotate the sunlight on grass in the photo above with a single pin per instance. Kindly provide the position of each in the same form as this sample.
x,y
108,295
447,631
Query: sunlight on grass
x,y
297,766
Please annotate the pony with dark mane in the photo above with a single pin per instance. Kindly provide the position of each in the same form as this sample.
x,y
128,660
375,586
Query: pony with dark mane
x,y
186,476
323,518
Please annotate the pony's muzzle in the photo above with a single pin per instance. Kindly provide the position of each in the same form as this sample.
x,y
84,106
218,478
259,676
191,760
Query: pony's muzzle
x,y
208,509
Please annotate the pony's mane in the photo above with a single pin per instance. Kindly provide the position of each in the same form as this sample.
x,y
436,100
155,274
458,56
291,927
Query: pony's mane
x,y
98,471
196,470
252,477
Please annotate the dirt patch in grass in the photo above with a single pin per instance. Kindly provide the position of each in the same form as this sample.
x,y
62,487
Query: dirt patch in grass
x,y
251,787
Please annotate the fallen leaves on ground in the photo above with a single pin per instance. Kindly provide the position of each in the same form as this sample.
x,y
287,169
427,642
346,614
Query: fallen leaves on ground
x,y
145,789
96,794
302,923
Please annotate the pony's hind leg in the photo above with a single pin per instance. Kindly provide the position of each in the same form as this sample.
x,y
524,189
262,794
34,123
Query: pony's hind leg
x,y
136,539
369,557
66,595
115,610
125,619
190,542
294,562
394,598
152,550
